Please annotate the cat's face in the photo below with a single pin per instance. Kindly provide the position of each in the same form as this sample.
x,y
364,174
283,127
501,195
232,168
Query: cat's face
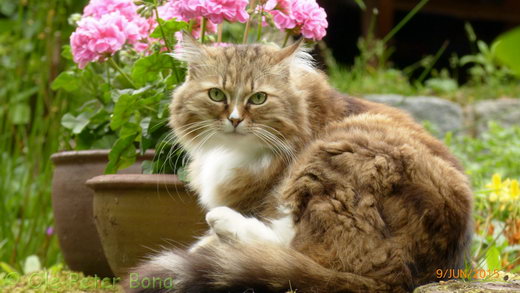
x,y
237,95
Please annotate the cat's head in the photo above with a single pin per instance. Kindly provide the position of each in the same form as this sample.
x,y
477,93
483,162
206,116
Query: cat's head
x,y
240,95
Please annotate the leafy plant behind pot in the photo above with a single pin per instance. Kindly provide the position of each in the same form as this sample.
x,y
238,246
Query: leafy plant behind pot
x,y
125,105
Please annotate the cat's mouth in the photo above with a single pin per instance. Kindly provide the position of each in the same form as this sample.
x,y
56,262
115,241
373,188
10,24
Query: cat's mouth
x,y
235,133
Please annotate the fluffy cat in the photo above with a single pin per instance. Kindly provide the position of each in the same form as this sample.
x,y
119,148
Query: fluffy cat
x,y
307,188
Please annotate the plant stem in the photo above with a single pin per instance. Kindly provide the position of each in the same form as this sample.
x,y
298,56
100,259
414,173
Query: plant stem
x,y
116,67
405,20
287,35
219,32
108,76
248,23
160,27
435,59
203,32
259,32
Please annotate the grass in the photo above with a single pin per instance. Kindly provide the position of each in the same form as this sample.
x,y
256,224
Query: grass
x,y
31,34
373,73
56,280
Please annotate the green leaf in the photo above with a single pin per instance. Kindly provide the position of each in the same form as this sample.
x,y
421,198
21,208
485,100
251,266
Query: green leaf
x,y
506,48
147,167
7,268
123,153
76,124
124,109
66,52
148,69
169,27
20,114
145,124
67,81
32,264
182,173
493,258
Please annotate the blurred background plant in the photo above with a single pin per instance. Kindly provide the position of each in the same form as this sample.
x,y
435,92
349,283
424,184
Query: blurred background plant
x,y
31,36
32,114
492,163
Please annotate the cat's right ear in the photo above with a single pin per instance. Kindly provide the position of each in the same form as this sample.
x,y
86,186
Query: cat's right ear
x,y
189,49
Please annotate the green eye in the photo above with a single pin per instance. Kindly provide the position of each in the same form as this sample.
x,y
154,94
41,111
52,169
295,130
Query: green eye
x,y
217,95
258,98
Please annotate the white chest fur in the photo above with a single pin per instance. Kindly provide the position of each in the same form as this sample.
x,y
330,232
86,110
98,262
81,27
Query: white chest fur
x,y
220,165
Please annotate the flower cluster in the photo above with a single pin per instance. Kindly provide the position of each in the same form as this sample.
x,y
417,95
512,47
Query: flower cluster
x,y
503,191
174,9
305,16
214,10
107,26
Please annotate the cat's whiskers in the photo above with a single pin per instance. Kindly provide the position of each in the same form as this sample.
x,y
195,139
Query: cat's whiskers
x,y
274,148
284,140
193,127
279,146
281,140
172,138
186,132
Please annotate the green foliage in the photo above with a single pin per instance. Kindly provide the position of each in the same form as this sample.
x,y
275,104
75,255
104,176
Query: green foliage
x,y
506,49
30,111
497,211
495,151
125,100
372,72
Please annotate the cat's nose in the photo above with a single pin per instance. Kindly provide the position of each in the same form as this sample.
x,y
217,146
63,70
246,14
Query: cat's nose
x,y
235,121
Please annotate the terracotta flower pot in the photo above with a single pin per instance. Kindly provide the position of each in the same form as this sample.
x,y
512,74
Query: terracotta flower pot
x,y
137,215
72,203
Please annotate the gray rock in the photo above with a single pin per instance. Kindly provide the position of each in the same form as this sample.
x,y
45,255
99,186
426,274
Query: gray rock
x,y
504,111
442,115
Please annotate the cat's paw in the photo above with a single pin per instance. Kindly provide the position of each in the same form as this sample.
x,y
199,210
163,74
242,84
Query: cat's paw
x,y
225,222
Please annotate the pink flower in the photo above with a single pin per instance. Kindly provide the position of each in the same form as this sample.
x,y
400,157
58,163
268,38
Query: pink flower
x,y
98,8
311,18
96,39
174,9
215,10
231,10
305,15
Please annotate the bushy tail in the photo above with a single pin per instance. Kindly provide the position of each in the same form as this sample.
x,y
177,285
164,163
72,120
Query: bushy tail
x,y
242,267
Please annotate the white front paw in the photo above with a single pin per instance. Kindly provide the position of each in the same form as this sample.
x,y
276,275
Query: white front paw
x,y
225,221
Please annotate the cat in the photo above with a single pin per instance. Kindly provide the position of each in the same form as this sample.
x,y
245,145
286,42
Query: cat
x,y
306,188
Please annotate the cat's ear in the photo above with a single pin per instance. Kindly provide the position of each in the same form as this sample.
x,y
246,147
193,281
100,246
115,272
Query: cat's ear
x,y
296,54
189,49
290,50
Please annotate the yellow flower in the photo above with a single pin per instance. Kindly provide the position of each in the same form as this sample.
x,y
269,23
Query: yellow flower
x,y
514,189
495,187
496,182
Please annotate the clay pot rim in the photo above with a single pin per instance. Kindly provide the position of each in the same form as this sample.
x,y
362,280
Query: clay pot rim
x,y
98,154
135,181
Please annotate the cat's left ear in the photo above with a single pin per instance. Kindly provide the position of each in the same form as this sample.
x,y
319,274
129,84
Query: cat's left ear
x,y
296,54
290,50
189,50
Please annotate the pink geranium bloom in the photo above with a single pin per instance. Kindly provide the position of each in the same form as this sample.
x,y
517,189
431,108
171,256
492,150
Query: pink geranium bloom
x,y
305,15
214,10
181,10
96,39
230,10
98,8
127,8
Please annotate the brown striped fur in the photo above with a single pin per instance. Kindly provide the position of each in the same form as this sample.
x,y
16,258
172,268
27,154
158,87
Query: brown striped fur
x,y
378,204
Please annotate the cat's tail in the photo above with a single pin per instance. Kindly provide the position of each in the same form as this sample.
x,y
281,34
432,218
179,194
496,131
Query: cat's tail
x,y
239,267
